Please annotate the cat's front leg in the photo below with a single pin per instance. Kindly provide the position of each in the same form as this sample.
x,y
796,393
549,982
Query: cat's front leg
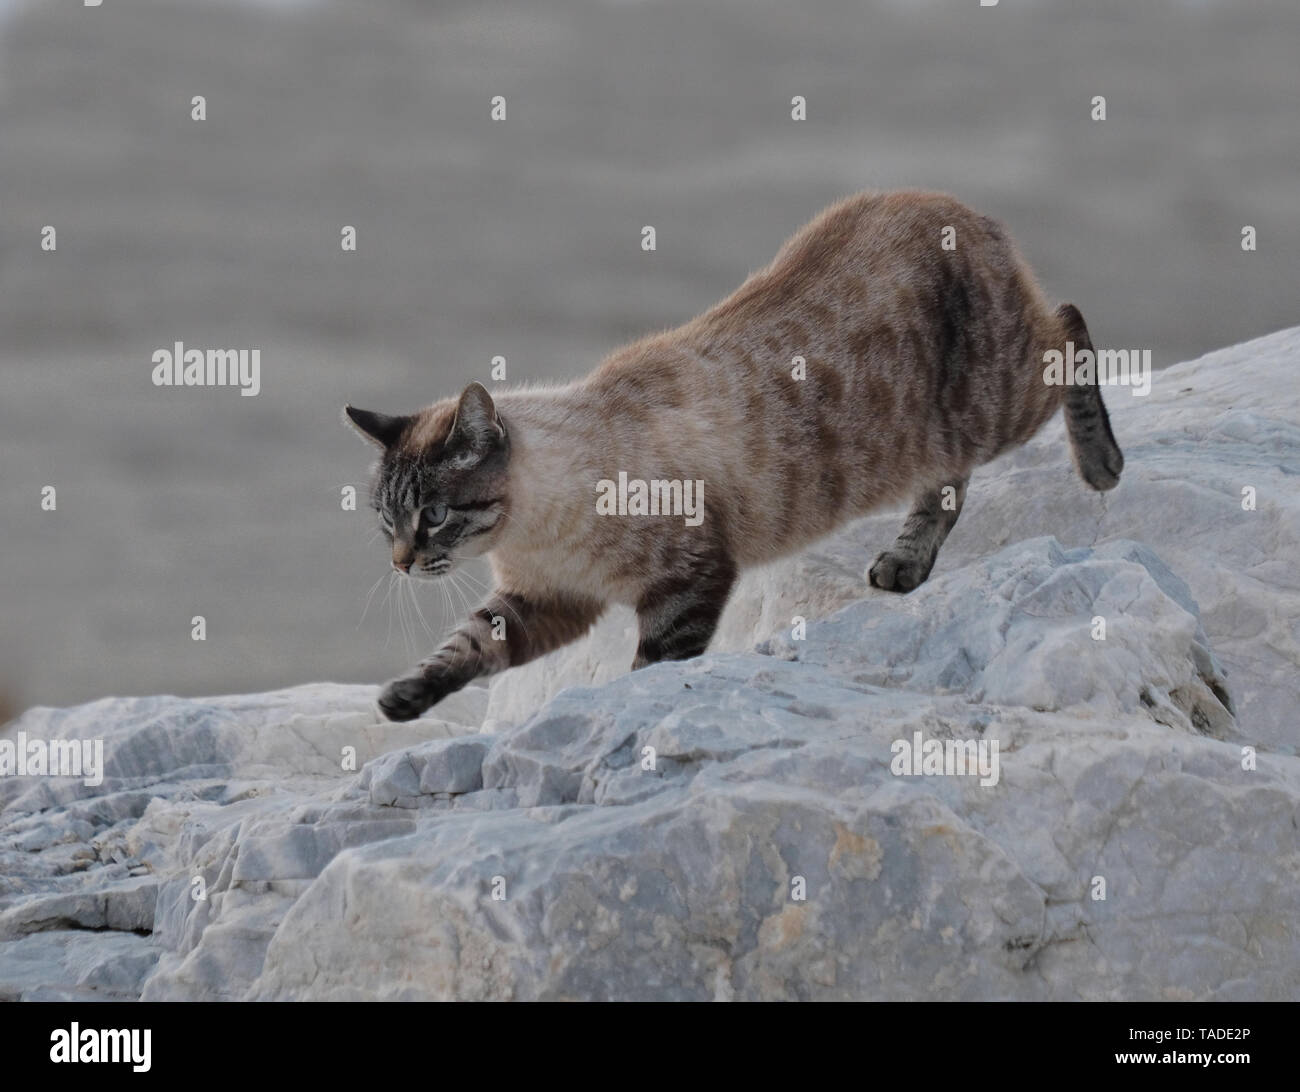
x,y
411,695
508,630
678,613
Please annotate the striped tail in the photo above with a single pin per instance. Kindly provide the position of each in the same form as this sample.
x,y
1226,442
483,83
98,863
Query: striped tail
x,y
1097,456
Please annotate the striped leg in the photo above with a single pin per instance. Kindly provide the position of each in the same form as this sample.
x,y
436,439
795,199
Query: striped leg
x,y
907,563
676,616
508,630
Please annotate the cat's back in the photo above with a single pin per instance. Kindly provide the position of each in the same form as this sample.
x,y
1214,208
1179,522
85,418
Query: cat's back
x,y
886,333
868,253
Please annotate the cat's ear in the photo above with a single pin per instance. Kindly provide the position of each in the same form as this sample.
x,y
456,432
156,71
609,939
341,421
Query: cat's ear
x,y
378,428
477,424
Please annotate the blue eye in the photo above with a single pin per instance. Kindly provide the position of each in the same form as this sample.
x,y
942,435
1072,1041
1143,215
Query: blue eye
x,y
435,515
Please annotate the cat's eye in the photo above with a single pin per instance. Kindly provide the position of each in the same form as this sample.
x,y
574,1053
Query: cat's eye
x,y
435,515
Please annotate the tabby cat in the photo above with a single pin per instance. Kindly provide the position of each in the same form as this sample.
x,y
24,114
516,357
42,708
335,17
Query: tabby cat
x,y
895,343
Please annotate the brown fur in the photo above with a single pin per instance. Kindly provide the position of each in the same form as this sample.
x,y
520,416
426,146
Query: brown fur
x,y
921,364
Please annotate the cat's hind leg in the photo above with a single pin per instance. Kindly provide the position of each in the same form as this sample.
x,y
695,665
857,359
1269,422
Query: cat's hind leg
x,y
907,563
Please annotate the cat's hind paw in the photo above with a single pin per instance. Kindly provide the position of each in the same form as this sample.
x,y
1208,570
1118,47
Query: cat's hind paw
x,y
898,572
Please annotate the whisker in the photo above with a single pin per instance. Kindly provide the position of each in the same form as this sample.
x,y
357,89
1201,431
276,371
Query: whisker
x,y
415,602
373,588
388,602
449,611
523,625
469,574
467,608
403,614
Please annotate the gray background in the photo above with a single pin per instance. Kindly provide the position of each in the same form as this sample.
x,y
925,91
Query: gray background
x,y
520,239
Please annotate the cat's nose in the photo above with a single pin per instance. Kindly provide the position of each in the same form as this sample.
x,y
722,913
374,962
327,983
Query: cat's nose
x,y
401,566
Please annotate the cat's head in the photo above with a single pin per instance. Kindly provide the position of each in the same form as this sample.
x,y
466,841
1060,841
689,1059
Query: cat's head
x,y
440,491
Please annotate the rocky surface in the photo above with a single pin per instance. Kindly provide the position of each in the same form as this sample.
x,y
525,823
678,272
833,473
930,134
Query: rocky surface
x,y
731,827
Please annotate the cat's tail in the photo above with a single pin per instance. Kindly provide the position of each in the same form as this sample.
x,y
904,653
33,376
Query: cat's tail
x,y
1097,456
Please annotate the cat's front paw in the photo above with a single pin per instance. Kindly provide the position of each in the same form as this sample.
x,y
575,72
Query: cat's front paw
x,y
406,698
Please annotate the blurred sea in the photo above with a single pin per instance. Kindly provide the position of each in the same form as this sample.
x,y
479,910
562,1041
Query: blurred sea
x,y
520,239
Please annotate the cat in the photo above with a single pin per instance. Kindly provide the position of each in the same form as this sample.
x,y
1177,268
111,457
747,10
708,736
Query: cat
x,y
879,358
